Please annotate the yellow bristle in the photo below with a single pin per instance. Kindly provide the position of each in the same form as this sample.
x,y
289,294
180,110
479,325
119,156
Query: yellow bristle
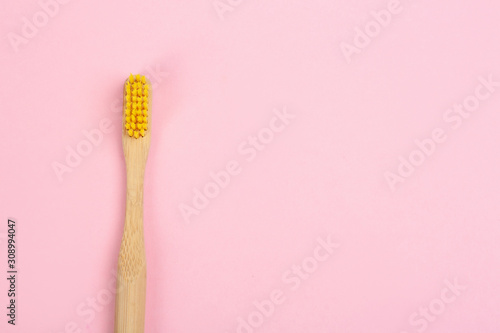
x,y
137,105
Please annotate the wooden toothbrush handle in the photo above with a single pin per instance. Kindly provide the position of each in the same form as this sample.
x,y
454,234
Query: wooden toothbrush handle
x,y
130,303
131,278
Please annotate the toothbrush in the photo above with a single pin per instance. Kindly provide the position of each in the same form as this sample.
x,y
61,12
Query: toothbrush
x,y
131,278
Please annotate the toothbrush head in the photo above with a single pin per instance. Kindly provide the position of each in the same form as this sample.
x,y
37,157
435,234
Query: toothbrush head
x,y
136,106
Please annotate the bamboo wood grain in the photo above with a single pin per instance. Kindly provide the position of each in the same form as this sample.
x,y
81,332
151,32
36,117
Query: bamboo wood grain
x,y
130,302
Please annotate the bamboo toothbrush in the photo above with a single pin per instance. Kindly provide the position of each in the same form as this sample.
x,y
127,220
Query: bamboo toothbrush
x,y
131,278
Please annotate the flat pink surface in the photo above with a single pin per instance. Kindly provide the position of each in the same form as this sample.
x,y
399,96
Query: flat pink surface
x,y
386,146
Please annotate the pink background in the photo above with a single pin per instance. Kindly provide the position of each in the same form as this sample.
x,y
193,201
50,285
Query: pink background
x,y
217,81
